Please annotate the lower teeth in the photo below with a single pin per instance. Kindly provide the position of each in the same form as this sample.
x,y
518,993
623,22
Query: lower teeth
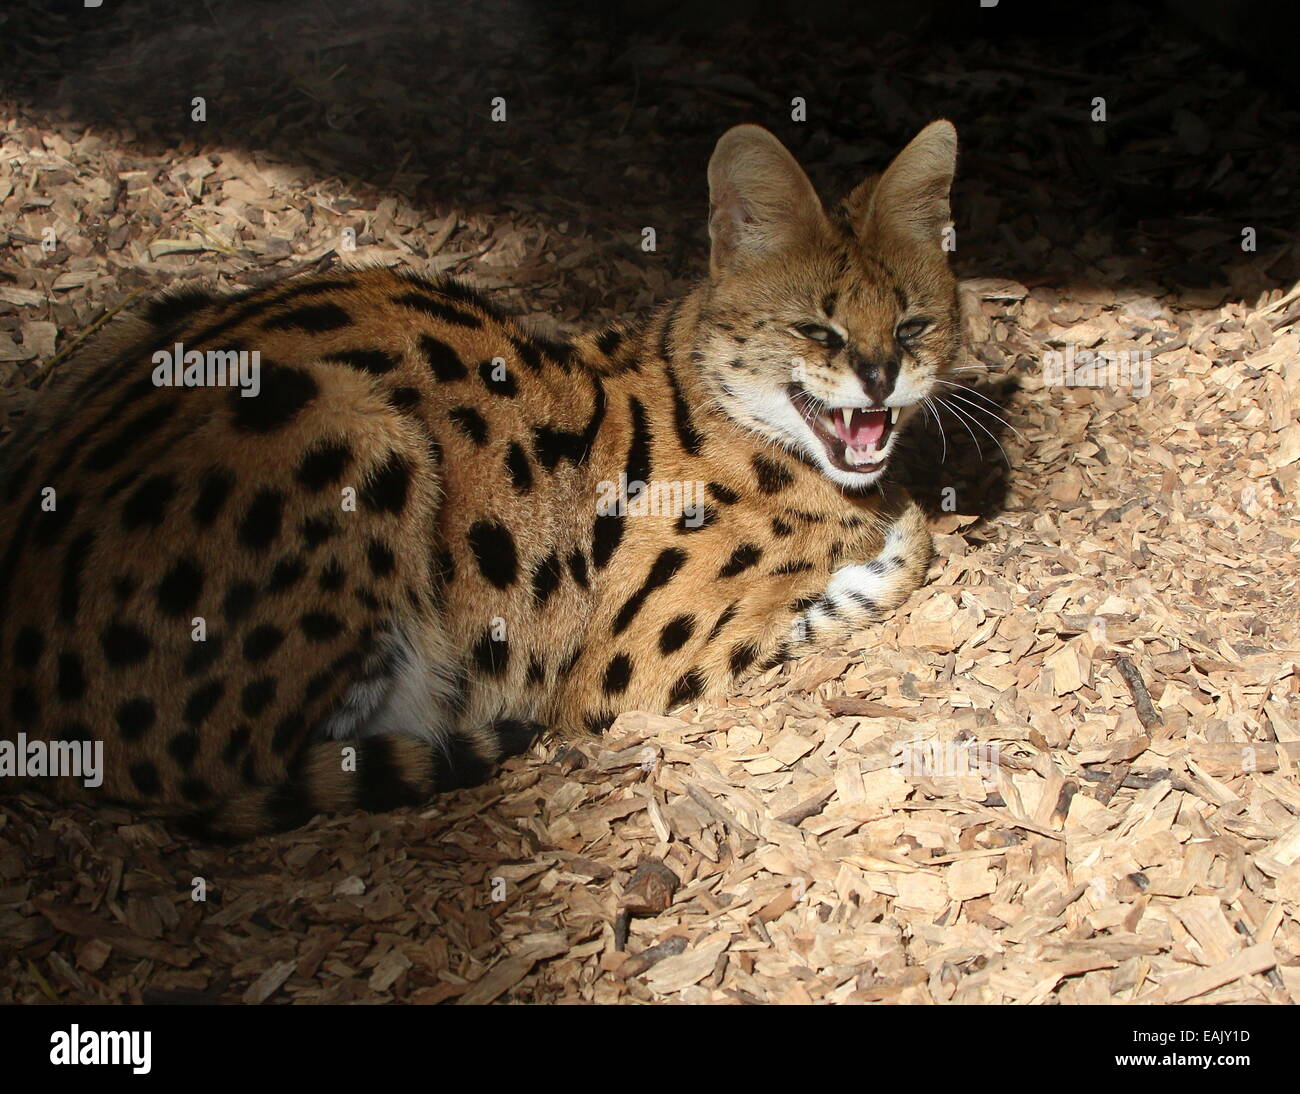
x,y
860,456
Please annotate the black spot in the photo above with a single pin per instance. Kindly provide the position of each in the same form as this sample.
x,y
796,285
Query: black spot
x,y
379,556
261,642
145,777
697,521
638,450
285,392
124,587
323,465
24,705
404,398
688,436
194,789
517,467
285,574
260,525
313,318
514,735
578,567
780,528
74,562
551,444
546,578
179,590
606,535
289,805
720,493
597,721
28,647
568,664
687,688
147,505
135,718
287,731
134,433
203,655
456,765
18,479
51,524
505,386
798,607
728,614
436,308
202,701
332,577
448,287
828,303
491,657
183,748
442,360
742,558
676,634
235,745
385,489
531,351
608,341
864,602
618,674
320,626
257,696
172,307
316,530
239,601
367,599
124,644
374,361
379,782
72,678
782,654
772,477
536,670
470,422
742,657
494,550
214,488
800,566
670,560
666,331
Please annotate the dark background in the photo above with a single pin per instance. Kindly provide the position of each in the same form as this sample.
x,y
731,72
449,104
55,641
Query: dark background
x,y
614,109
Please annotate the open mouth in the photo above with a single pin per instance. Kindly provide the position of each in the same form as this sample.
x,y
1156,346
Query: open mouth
x,y
854,439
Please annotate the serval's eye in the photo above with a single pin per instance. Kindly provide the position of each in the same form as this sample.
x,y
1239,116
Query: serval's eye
x,y
815,332
912,329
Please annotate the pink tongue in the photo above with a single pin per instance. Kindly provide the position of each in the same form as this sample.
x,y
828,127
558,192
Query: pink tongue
x,y
866,427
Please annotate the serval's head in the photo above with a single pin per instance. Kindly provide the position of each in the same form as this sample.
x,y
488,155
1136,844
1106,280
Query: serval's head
x,y
824,332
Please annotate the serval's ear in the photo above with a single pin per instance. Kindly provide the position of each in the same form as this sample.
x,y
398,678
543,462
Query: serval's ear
x,y
911,198
760,200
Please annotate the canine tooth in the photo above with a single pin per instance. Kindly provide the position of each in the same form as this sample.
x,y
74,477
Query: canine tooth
x,y
846,415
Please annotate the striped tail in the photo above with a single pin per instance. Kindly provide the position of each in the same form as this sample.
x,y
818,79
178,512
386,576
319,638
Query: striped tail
x,y
367,774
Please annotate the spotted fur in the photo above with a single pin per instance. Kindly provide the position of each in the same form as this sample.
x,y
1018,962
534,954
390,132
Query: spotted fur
x,y
388,569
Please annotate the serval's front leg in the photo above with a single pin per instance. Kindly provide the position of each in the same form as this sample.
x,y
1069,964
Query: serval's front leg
x,y
859,593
